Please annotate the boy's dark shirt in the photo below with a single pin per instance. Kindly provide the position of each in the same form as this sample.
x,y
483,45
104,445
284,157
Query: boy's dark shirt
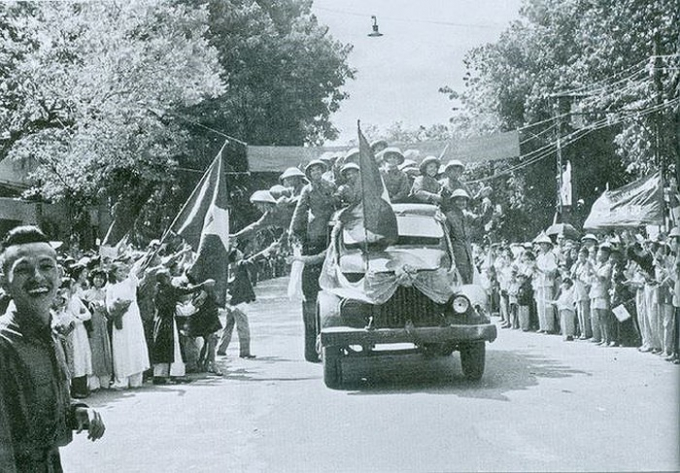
x,y
36,413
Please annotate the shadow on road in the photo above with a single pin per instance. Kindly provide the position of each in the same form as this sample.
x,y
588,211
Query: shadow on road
x,y
505,371
106,397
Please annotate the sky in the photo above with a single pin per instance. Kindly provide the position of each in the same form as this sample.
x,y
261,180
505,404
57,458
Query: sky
x,y
422,49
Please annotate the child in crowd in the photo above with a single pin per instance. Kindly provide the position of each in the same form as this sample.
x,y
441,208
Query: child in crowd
x,y
513,290
70,322
525,299
241,292
100,342
599,297
580,275
566,306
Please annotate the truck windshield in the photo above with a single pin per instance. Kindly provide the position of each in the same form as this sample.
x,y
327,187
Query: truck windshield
x,y
413,230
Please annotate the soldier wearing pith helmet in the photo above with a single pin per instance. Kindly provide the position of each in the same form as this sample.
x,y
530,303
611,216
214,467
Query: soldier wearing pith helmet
x,y
426,187
396,181
273,215
294,179
310,225
350,192
453,171
460,221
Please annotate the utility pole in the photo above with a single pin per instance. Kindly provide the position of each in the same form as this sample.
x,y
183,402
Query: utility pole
x,y
658,119
558,156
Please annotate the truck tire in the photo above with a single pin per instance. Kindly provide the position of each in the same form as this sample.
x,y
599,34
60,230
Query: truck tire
x,y
309,320
472,358
332,367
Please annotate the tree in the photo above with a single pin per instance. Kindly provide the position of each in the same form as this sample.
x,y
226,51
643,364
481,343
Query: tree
x,y
593,60
283,72
86,89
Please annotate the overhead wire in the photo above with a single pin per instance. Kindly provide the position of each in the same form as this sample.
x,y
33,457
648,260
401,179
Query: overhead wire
x,y
595,88
598,125
547,150
415,20
639,65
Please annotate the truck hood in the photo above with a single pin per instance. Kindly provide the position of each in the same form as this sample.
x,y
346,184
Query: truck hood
x,y
389,260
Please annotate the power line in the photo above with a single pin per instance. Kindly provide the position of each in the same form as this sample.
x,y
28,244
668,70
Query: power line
x,y
639,65
201,125
535,136
415,20
547,150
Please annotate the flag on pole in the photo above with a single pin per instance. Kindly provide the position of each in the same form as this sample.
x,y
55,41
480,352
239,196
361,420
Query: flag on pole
x,y
379,219
372,219
635,204
203,222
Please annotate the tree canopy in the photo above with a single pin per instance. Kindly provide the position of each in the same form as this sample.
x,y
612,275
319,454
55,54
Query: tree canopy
x,y
601,76
284,72
86,84
111,98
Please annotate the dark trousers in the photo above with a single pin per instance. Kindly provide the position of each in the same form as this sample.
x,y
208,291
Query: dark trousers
x,y
43,461
676,342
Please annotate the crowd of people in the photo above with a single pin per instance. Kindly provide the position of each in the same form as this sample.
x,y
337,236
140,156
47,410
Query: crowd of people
x,y
138,315
127,316
620,289
301,206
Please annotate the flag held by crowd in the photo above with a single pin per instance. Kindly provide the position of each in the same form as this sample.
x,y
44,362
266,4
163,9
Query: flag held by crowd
x,y
635,204
203,223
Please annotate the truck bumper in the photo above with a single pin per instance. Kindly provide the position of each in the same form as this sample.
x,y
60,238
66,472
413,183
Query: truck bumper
x,y
343,336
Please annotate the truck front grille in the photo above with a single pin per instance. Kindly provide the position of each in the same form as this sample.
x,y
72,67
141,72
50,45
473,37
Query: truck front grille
x,y
408,303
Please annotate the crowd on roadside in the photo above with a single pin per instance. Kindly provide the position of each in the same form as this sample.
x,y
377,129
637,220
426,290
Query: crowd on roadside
x,y
618,289
138,315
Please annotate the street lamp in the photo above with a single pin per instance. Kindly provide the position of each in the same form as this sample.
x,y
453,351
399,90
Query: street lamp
x,y
375,33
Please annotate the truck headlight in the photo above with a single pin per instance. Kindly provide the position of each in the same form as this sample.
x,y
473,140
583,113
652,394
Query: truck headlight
x,y
460,304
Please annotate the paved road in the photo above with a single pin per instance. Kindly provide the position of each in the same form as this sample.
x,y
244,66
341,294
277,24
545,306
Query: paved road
x,y
543,405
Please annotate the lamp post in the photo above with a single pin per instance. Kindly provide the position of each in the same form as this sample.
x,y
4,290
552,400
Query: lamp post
x,y
375,33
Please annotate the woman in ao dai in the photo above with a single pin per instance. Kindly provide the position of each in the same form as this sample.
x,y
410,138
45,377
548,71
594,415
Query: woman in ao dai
x,y
130,353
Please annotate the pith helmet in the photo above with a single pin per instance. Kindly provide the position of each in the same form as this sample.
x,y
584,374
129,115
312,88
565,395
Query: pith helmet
x,y
460,193
291,172
379,145
315,162
428,160
349,166
277,191
543,238
351,156
453,163
262,196
392,151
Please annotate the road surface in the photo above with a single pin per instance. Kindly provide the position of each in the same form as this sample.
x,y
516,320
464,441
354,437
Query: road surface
x,y
543,405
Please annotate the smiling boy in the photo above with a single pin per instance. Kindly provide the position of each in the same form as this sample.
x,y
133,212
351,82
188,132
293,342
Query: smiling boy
x,y
36,413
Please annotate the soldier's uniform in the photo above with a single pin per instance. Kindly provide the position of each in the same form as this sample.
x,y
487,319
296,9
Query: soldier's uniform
x,y
312,214
396,181
426,188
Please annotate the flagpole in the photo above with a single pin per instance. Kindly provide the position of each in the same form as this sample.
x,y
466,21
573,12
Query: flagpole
x,y
441,155
198,186
367,257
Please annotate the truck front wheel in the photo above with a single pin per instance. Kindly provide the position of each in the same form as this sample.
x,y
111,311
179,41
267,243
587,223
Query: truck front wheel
x,y
472,358
332,367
